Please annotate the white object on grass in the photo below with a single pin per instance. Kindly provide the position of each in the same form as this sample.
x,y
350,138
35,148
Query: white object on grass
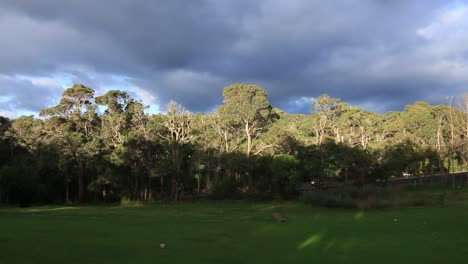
x,y
162,245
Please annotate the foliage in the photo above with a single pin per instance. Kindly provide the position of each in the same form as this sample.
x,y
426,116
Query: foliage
x,y
108,148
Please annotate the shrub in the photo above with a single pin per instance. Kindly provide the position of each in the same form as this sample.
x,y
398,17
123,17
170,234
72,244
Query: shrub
x,y
127,202
371,197
328,199
226,188
259,196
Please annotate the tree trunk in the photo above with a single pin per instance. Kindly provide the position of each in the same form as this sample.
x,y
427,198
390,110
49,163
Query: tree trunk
x,y
174,190
137,188
226,141
449,171
181,189
174,177
249,139
431,169
150,191
161,192
80,182
67,193
422,177
441,168
250,182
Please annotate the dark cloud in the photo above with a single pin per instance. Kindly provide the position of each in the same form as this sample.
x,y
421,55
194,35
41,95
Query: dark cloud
x,y
377,54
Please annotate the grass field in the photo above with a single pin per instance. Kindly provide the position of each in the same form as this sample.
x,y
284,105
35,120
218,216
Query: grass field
x,y
232,232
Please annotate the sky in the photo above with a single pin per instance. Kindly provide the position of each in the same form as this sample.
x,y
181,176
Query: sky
x,y
377,54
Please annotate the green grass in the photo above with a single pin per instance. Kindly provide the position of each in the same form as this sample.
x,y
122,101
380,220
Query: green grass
x,y
232,232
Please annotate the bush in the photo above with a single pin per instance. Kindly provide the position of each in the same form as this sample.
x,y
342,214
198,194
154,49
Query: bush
x,y
227,188
127,202
259,196
329,199
371,197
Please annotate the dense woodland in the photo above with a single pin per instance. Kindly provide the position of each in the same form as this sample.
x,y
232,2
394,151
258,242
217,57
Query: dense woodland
x,y
106,148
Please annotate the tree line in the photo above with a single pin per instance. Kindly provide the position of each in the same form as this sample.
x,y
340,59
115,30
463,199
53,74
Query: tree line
x,y
105,148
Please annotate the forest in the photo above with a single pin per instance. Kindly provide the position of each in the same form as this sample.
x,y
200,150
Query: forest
x,y
98,149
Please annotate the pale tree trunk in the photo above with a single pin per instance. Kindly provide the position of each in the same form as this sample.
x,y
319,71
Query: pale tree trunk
x,y
249,151
249,139
338,138
226,141
452,138
465,109
323,126
363,137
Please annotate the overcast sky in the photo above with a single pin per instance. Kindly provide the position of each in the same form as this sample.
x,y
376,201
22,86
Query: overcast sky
x,y
377,54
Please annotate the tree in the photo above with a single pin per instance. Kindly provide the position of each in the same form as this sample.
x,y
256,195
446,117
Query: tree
x,y
245,107
458,127
29,133
114,121
108,148
177,133
420,124
5,153
219,134
71,131
325,109
286,133
285,176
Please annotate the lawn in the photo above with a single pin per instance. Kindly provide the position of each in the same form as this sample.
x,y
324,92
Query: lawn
x,y
232,232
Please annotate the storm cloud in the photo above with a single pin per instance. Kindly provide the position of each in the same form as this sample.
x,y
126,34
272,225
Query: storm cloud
x,y
380,55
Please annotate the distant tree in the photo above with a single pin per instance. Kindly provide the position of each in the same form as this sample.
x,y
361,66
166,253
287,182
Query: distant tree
x,y
326,110
420,124
458,129
286,133
177,133
114,121
5,153
108,148
71,129
393,128
246,108
28,133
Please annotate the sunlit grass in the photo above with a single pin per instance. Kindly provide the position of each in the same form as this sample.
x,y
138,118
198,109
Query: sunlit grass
x,y
52,209
313,239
